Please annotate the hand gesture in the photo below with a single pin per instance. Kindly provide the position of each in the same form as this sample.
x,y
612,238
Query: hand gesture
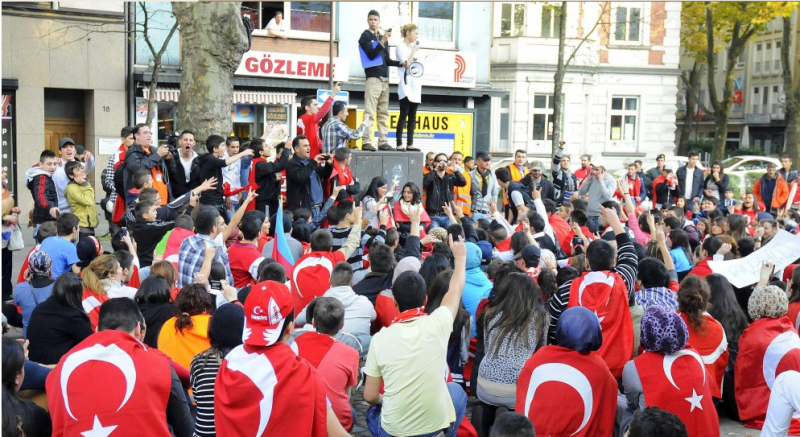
x,y
336,190
724,249
766,272
87,156
383,217
429,239
357,211
458,248
251,195
201,279
448,210
458,211
660,237
576,229
609,215
492,208
336,89
193,198
208,184
651,223
759,233
228,292
624,187
526,227
536,193
163,150
414,214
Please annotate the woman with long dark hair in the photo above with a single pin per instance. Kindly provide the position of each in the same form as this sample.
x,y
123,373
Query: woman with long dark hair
x,y
680,251
515,326
59,323
737,226
375,199
458,344
153,298
749,207
224,334
706,335
20,417
186,335
410,199
716,182
432,266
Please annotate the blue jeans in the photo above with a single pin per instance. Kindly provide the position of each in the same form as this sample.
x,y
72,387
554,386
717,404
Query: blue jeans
x,y
479,215
234,207
594,223
457,394
439,221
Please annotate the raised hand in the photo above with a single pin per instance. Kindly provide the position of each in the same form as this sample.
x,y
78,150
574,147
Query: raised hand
x,y
536,193
724,249
458,248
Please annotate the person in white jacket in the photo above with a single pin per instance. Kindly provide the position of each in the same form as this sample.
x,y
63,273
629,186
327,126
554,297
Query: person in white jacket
x,y
358,310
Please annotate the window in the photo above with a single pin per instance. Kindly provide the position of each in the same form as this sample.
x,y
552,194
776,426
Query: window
x,y
776,57
756,100
303,20
310,16
436,21
767,58
512,19
776,107
765,100
551,21
542,117
628,24
624,113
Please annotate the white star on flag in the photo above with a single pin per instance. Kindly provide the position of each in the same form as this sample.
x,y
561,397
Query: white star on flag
x,y
695,400
599,319
98,430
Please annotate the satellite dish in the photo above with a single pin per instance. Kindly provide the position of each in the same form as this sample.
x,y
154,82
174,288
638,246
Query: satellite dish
x,y
782,99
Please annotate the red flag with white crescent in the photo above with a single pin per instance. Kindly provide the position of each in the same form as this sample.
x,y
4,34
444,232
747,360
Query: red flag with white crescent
x,y
311,275
712,345
794,314
767,348
605,294
91,302
109,384
679,383
269,391
313,346
556,376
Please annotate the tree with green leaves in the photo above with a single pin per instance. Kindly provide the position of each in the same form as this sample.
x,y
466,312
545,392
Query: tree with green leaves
x,y
791,89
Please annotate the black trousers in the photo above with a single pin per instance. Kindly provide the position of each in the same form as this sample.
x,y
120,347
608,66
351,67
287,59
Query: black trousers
x,y
7,287
408,110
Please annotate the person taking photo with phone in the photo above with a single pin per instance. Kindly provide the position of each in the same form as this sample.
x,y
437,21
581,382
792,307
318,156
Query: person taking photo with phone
x,y
409,89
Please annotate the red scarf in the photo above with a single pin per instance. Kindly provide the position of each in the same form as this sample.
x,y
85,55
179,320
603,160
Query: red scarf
x,y
313,346
343,175
119,204
251,180
409,315
504,246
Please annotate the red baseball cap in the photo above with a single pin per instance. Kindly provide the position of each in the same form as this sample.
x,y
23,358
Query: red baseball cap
x,y
266,307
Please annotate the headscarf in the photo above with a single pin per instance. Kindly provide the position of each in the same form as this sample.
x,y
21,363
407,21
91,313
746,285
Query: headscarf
x,y
579,329
767,301
226,326
663,331
39,263
407,264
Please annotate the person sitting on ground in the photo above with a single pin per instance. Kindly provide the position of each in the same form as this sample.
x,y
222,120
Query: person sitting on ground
x,y
101,275
336,362
153,298
186,334
655,422
409,360
21,417
154,403
577,336
36,289
512,424
224,330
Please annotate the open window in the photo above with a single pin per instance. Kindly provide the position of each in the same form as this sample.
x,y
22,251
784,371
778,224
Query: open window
x,y
301,20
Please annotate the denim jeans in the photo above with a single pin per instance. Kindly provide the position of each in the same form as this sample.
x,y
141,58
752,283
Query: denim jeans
x,y
479,215
439,220
234,206
457,394
594,223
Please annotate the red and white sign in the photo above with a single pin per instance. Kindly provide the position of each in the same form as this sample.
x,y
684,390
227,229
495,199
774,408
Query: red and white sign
x,y
292,66
444,68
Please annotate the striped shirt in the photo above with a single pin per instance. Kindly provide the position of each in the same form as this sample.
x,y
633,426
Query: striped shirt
x,y
627,266
661,296
356,260
203,374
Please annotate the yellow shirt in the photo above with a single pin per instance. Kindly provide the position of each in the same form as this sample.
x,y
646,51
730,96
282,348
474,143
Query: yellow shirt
x,y
183,346
411,359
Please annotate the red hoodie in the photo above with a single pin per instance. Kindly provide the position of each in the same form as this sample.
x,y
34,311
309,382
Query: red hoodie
x,y
308,125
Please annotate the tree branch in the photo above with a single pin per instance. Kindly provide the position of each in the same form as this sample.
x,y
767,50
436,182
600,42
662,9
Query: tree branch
x,y
691,91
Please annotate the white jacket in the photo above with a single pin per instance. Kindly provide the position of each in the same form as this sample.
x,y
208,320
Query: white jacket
x,y
358,310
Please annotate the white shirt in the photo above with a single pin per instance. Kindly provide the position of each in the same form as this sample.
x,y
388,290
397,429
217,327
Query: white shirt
x,y
187,164
232,174
409,86
689,179
275,26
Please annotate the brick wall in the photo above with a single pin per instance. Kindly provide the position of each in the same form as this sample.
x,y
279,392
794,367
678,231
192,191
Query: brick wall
x,y
298,46
658,14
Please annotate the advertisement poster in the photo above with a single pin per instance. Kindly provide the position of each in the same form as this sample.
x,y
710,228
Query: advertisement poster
x,y
276,124
141,110
243,113
444,68
8,139
443,132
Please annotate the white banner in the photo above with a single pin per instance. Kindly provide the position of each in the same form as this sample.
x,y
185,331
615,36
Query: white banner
x,y
782,250
444,68
292,66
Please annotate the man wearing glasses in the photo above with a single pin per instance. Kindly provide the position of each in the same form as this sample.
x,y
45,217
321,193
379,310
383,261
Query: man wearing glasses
x,y
141,156
439,184
484,186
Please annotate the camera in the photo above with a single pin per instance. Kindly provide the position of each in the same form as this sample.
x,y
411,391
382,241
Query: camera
x,y
215,285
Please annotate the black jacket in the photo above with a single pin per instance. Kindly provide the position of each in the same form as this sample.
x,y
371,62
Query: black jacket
x,y
177,176
696,190
440,190
525,190
155,315
44,193
54,329
366,40
298,182
547,187
722,184
269,188
136,159
147,236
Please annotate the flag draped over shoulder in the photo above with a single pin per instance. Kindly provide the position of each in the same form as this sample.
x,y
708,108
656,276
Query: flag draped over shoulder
x,y
280,250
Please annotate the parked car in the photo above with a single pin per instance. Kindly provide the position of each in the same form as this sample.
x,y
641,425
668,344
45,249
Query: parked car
x,y
739,165
673,162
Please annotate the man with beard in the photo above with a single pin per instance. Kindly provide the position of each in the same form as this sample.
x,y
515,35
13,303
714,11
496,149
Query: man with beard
x,y
564,180
186,160
585,172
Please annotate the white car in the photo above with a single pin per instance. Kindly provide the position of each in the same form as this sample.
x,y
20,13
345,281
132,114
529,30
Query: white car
x,y
673,162
740,165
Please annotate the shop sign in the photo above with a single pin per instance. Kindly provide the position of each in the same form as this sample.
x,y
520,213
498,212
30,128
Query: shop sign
x,y
8,139
243,113
292,66
276,124
443,132
444,68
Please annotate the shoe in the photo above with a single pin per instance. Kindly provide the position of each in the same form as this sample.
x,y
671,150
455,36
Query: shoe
x,y
400,148
411,148
385,146
367,147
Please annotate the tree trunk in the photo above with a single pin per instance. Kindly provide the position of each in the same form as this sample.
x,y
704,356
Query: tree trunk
x,y
213,40
558,80
151,97
691,108
792,93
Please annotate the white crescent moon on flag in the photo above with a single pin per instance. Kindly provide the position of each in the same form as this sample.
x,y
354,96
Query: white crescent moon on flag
x,y
593,278
559,372
260,371
110,354
777,349
670,359
311,261
721,348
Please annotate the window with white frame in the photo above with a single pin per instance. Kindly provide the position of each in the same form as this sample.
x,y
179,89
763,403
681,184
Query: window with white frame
x,y
623,119
767,61
756,100
542,117
757,59
436,21
551,21
765,100
504,145
512,19
776,93
776,57
302,20
628,22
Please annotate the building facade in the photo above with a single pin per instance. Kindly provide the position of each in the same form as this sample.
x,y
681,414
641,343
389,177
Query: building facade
x,y
619,90
64,70
757,118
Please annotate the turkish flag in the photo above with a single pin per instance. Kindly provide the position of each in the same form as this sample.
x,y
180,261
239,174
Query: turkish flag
x,y
110,382
794,314
91,302
400,216
555,377
606,295
767,348
258,384
712,345
679,383
311,276
313,346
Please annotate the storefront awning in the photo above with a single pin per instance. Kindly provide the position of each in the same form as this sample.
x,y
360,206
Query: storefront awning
x,y
171,94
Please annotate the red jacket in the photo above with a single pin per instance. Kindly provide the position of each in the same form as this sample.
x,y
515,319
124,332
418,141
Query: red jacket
x,y
779,195
308,125
702,269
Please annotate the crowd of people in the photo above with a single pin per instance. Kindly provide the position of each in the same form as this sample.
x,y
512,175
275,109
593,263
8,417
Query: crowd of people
x,y
256,288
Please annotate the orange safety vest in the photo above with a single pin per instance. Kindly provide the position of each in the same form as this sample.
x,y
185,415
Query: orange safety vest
x,y
462,195
424,191
516,177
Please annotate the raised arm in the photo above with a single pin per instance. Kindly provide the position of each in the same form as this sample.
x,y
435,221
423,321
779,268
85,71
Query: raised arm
x,y
231,159
452,300
237,217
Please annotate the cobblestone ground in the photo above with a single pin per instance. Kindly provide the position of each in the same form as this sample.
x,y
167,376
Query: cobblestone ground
x,y
728,428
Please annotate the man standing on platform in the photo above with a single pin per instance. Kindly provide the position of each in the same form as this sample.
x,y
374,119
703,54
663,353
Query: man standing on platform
x,y
376,89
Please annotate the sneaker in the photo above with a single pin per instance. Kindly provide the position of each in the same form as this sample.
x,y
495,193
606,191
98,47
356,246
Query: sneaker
x,y
412,148
385,146
400,148
367,147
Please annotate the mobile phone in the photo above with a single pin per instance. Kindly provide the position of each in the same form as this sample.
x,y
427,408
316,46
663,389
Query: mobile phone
x,y
266,211
397,188
215,285
124,231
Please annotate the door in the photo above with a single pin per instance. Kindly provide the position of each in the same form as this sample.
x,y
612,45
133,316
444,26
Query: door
x,y
57,128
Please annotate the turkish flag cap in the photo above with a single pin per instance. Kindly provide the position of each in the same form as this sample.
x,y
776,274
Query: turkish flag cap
x,y
266,307
767,348
555,377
